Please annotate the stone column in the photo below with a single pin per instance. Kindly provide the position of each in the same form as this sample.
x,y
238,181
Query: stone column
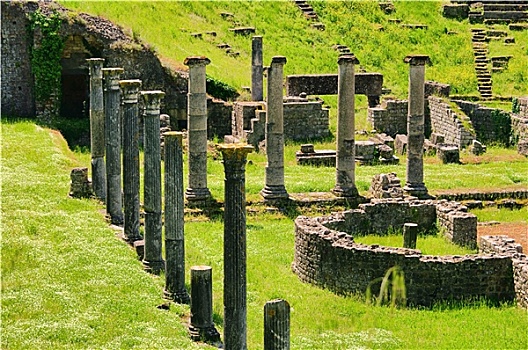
x,y
202,327
130,92
410,233
274,188
197,130
235,308
345,152
256,69
174,222
114,201
277,325
414,185
152,260
97,127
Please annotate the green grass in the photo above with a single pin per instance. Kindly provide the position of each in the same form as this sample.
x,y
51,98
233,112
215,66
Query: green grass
x,y
67,282
166,26
501,215
429,244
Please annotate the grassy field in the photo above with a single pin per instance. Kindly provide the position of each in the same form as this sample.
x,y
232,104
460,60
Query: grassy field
x,y
67,282
379,44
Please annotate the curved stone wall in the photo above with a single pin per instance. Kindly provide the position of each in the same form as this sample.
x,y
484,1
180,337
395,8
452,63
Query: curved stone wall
x,y
331,259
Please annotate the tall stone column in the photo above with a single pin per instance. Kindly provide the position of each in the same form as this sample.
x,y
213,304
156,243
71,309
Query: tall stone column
x,y
414,185
114,201
97,127
274,188
345,152
130,92
152,260
235,308
197,130
174,220
257,93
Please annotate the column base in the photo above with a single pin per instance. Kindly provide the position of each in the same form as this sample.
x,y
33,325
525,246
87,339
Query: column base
x,y
180,296
197,194
274,193
117,219
153,267
416,190
346,192
206,334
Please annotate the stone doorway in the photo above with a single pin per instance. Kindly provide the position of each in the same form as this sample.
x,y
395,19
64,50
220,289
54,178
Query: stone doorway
x,y
75,95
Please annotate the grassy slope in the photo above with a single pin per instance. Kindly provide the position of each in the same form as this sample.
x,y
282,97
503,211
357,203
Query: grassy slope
x,y
67,282
167,27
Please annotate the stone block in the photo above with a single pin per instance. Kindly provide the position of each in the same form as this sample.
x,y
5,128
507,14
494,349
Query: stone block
x,y
522,147
477,148
437,138
400,143
448,154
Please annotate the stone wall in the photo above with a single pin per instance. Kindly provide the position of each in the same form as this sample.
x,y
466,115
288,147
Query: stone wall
x,y
490,124
305,120
218,118
369,84
523,106
390,117
332,260
456,128
17,80
504,245
459,226
484,196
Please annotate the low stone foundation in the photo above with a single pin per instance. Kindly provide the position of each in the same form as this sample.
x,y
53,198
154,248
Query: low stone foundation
x,y
331,259
506,246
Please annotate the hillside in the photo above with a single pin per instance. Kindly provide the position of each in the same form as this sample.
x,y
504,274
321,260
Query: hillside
x,y
378,40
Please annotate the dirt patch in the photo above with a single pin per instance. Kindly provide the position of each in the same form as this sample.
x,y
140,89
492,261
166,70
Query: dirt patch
x,y
515,230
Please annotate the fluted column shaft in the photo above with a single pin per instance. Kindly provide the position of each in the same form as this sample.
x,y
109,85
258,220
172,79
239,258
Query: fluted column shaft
x,y
277,325
130,92
345,151
114,201
152,260
174,219
257,89
97,127
235,308
197,130
274,188
202,327
415,126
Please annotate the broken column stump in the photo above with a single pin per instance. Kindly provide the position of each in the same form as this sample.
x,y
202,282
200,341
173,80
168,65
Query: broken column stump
x,y
410,234
277,325
202,327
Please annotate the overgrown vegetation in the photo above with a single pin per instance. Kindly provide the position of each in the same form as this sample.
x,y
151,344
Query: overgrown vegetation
x,y
46,55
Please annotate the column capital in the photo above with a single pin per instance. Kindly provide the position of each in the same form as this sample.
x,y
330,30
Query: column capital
x,y
347,59
417,60
130,90
111,76
234,151
174,135
196,61
278,60
152,98
95,64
